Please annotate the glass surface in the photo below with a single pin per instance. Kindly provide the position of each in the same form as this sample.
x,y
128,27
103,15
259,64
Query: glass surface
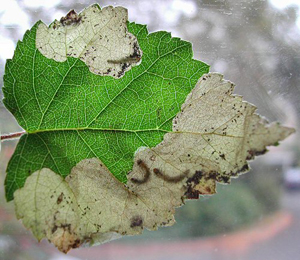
x,y
255,44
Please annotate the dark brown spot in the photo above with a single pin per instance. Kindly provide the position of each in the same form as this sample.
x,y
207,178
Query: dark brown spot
x,y
222,156
54,229
66,227
136,221
243,169
108,70
76,243
123,69
253,153
71,18
136,52
192,193
224,179
60,198
212,175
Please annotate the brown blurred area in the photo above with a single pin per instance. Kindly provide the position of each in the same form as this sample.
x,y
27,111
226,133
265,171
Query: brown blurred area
x,y
254,45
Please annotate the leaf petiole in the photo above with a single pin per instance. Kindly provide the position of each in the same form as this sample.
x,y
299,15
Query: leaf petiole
x,y
11,136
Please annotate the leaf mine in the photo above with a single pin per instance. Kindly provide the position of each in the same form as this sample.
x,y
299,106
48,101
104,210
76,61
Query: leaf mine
x,y
213,136
99,38
95,207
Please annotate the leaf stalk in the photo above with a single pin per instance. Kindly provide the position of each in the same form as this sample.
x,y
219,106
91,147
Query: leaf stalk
x,y
12,136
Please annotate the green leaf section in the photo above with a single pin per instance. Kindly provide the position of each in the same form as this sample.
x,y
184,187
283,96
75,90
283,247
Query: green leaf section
x,y
71,114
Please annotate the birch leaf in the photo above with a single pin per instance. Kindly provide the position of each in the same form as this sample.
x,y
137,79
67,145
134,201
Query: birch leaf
x,y
211,140
119,132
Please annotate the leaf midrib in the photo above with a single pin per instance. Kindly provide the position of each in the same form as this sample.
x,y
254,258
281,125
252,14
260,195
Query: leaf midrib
x,y
98,129
133,131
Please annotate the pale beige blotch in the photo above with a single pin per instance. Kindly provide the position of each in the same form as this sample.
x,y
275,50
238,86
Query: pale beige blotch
x,y
96,206
99,38
213,137
45,211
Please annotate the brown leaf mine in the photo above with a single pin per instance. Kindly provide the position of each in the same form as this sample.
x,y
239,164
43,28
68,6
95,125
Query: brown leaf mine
x,y
99,38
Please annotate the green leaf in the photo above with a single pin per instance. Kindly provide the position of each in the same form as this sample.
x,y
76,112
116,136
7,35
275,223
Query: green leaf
x,y
71,114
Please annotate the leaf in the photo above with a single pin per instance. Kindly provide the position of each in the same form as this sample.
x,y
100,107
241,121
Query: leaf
x,y
70,113
97,37
105,103
213,137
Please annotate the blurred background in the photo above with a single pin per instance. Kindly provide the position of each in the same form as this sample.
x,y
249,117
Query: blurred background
x,y
255,44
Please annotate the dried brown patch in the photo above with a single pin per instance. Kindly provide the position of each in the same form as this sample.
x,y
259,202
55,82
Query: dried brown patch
x,y
71,18
136,221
